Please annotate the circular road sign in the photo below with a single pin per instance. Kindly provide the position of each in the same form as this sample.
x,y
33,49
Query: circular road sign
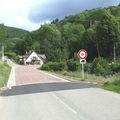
x,y
82,54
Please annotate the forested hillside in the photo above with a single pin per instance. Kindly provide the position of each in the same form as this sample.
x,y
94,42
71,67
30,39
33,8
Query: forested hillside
x,y
96,30
11,32
9,37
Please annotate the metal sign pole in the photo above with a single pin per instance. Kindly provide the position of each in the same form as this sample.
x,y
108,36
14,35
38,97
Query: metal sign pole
x,y
82,71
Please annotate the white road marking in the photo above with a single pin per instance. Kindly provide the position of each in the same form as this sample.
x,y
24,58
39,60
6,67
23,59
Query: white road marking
x,y
53,75
67,106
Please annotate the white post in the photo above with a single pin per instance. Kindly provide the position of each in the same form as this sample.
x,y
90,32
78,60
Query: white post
x,y
82,71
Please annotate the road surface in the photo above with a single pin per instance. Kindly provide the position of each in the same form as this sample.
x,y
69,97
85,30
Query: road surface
x,y
55,99
71,104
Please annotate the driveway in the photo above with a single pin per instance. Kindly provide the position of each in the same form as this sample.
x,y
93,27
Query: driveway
x,y
30,75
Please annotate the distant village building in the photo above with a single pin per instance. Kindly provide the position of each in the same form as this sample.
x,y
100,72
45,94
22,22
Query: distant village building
x,y
33,58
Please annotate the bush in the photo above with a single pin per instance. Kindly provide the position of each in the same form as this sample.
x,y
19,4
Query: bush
x,y
100,67
115,67
72,65
87,67
116,82
11,55
55,66
45,67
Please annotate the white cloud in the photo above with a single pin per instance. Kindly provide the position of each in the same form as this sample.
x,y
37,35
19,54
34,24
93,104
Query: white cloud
x,y
15,13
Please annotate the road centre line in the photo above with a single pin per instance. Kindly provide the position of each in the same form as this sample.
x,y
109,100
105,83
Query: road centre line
x,y
66,105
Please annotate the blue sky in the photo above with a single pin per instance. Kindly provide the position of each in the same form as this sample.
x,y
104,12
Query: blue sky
x,y
30,14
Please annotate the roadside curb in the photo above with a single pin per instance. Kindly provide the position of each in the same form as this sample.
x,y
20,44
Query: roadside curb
x,y
11,80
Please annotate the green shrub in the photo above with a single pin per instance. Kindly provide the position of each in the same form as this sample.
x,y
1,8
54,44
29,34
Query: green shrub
x,y
62,66
45,67
11,55
87,67
72,65
116,82
100,67
55,66
115,67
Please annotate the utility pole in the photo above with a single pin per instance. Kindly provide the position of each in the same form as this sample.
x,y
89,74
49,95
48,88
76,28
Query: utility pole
x,y
2,52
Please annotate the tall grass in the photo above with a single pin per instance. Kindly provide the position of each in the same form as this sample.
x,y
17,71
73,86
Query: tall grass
x,y
4,73
113,85
76,75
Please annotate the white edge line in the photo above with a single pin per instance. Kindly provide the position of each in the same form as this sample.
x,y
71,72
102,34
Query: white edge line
x,y
67,106
53,75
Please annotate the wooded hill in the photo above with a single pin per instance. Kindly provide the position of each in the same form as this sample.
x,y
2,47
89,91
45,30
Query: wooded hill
x,y
10,36
96,30
12,32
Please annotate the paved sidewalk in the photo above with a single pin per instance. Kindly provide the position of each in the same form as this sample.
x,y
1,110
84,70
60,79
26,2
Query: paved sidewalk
x,y
11,80
30,75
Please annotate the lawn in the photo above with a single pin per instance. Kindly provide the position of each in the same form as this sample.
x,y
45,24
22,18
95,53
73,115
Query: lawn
x,y
4,73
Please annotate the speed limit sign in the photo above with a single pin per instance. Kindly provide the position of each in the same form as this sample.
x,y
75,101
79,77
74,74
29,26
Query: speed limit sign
x,y
82,54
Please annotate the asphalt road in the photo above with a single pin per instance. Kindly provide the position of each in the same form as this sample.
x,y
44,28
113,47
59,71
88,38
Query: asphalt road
x,y
59,101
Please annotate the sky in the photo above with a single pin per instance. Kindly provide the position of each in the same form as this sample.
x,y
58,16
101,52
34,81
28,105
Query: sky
x,y
30,14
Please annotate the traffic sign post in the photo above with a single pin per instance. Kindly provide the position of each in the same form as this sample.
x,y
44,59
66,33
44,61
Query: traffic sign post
x,y
82,55
83,77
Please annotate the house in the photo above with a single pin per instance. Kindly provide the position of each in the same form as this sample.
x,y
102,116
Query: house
x,y
33,58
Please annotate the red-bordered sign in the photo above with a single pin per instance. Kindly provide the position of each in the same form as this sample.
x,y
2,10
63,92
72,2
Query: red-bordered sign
x,y
82,54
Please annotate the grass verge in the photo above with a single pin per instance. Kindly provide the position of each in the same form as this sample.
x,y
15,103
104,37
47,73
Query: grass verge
x,y
111,83
4,74
76,76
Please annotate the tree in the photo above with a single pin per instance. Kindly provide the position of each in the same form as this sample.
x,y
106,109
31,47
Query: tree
x,y
107,33
50,41
36,46
90,44
28,42
72,35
